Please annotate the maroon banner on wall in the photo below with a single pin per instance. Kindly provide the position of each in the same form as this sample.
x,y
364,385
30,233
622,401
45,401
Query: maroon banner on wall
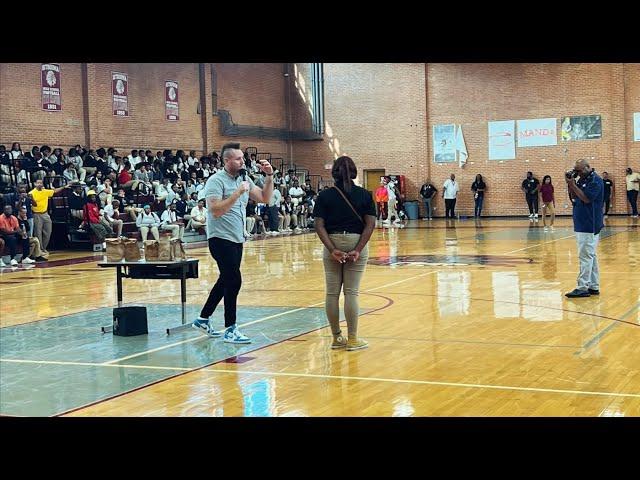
x,y
171,100
120,92
50,85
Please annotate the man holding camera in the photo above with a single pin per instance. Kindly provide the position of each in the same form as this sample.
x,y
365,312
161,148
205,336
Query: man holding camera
x,y
587,189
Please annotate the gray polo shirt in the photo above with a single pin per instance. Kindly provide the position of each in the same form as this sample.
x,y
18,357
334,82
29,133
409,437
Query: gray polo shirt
x,y
231,225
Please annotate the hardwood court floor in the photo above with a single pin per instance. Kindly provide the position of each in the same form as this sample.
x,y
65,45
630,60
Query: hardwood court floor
x,y
464,319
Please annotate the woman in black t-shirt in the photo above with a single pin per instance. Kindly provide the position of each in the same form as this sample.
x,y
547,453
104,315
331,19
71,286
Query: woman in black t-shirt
x,y
345,217
478,188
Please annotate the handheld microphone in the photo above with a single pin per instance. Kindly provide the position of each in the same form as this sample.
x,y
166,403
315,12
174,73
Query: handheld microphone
x,y
243,172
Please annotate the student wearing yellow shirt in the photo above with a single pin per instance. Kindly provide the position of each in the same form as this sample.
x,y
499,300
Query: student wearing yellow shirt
x,y
41,220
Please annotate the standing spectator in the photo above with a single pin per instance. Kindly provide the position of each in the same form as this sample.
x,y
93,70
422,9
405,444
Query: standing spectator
x,y
608,192
478,187
382,200
633,186
148,220
198,216
548,201
530,186
588,192
40,206
12,235
112,216
345,217
169,221
428,193
274,208
450,194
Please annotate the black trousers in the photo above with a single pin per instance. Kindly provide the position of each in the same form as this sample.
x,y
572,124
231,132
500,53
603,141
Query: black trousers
x,y
607,204
632,196
228,256
450,207
532,203
12,242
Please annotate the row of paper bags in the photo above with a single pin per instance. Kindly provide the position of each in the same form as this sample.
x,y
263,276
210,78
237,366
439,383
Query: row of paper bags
x,y
163,250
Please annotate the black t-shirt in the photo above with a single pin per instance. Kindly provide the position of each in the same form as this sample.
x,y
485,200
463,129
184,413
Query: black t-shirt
x,y
338,216
530,185
476,185
427,191
76,202
608,183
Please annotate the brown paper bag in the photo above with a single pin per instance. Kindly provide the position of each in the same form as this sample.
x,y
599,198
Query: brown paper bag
x,y
151,250
177,250
131,250
164,249
115,249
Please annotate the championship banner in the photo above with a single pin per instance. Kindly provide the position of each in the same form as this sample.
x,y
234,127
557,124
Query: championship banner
x,y
538,132
171,100
502,140
120,93
50,85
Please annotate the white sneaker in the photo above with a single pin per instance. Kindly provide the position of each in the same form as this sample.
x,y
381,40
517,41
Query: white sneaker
x,y
2,264
233,335
27,261
13,262
531,215
535,216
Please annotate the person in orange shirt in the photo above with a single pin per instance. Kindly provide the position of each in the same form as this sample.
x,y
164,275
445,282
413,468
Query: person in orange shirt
x,y
12,234
381,197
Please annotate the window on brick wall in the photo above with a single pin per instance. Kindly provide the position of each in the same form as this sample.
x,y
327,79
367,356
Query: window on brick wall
x,y
214,90
317,100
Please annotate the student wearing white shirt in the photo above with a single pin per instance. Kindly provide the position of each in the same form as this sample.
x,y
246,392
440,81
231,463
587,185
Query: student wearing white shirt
x,y
192,158
169,221
296,193
450,193
198,216
112,216
134,159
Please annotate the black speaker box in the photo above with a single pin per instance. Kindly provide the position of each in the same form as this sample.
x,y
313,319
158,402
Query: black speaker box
x,y
129,321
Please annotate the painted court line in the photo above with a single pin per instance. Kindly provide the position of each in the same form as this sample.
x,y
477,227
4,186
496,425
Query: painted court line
x,y
86,364
427,382
189,340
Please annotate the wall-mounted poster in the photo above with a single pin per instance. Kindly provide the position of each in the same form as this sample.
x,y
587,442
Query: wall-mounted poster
x,y
444,146
120,93
50,85
539,132
502,140
636,127
171,100
587,127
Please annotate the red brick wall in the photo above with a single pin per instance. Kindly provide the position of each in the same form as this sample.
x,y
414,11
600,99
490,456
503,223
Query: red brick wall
x,y
382,115
21,116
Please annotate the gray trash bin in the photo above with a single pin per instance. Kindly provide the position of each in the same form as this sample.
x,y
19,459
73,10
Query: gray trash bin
x,y
412,210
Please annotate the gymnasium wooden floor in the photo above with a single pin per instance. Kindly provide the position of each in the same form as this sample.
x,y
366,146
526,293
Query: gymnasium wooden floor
x,y
463,319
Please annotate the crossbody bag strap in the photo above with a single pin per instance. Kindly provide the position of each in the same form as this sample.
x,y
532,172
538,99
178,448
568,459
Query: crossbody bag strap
x,y
350,205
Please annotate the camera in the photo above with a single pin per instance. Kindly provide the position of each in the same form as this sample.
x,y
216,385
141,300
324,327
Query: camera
x,y
571,174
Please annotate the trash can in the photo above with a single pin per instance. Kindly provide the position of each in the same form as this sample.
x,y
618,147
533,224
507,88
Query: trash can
x,y
411,208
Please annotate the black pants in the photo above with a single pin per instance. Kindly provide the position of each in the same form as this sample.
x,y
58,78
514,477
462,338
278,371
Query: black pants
x,y
607,205
632,196
12,242
450,207
532,203
228,256
273,218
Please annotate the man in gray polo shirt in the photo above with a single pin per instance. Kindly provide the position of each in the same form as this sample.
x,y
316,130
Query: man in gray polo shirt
x,y
227,194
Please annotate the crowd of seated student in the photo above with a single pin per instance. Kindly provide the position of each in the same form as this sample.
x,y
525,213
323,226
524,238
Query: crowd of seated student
x,y
105,190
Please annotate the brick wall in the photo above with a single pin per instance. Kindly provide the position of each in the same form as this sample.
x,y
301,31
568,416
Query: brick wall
x,y
382,115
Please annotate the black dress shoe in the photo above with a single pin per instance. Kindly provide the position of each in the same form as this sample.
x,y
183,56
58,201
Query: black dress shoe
x,y
577,293
594,292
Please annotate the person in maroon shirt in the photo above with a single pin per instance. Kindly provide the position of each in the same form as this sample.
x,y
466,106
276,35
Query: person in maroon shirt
x,y
91,216
548,201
